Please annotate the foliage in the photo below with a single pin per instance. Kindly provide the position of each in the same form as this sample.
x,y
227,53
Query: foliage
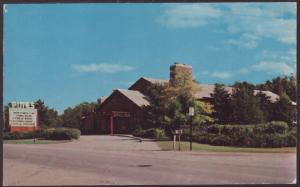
x,y
21,135
155,133
281,85
48,133
72,117
47,117
61,133
283,110
272,134
222,104
156,110
245,105
221,140
169,105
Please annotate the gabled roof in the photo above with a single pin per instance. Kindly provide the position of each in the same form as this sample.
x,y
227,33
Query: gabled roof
x,y
135,96
152,80
207,89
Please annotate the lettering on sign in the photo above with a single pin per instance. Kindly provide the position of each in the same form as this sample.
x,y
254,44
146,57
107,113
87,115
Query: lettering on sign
x,y
121,114
22,117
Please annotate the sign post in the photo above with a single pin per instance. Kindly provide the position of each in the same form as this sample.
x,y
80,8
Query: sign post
x,y
191,113
175,134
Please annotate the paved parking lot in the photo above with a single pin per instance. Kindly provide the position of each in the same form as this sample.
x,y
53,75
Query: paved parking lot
x,y
100,160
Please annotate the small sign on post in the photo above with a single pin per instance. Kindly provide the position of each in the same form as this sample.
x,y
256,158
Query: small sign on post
x,y
191,113
175,134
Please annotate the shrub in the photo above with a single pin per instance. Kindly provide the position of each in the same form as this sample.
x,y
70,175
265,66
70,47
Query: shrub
x,y
61,133
279,126
22,135
9,136
291,139
204,138
156,133
221,140
213,129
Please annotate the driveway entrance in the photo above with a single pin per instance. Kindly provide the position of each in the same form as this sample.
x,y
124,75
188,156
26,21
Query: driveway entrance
x,y
116,160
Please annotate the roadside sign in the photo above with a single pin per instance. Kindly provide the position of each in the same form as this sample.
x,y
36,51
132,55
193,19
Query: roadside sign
x,y
191,111
178,131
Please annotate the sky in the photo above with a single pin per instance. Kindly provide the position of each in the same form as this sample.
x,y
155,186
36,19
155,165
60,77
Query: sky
x,y
66,54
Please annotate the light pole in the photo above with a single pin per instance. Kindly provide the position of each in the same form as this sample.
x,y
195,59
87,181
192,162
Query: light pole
x,y
191,113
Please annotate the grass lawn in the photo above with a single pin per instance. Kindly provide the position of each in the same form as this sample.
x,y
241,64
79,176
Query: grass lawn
x,y
37,141
185,146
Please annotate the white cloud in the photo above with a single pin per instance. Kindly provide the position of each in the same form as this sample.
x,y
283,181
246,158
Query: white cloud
x,y
105,68
283,56
264,21
260,20
188,15
246,40
221,75
273,67
244,70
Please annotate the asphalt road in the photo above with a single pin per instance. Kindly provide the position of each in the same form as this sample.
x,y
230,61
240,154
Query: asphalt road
x,y
101,160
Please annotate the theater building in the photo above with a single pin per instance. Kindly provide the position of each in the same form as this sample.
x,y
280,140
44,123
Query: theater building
x,y
123,110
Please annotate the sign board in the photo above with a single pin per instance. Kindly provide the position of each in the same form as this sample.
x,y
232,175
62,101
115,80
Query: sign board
x,y
191,111
121,114
15,104
24,117
178,131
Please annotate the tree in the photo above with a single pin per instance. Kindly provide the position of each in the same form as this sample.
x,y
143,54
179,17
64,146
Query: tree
x,y
46,117
222,104
156,110
72,116
265,105
281,85
246,107
283,110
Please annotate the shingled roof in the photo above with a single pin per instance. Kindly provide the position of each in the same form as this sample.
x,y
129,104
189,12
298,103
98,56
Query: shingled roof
x,y
135,96
205,92
207,89
155,81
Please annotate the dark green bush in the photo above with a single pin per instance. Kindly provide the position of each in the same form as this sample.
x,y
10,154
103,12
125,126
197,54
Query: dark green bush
x,y
221,140
272,134
279,126
155,133
204,138
61,133
213,129
22,135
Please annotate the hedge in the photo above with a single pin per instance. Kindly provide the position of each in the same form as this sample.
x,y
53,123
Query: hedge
x,y
61,133
272,134
50,134
155,133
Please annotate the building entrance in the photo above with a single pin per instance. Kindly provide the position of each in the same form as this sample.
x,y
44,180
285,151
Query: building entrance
x,y
121,125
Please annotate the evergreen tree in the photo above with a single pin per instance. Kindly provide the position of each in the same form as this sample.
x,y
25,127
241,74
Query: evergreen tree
x,y
222,104
246,107
265,105
156,110
46,117
283,110
281,85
